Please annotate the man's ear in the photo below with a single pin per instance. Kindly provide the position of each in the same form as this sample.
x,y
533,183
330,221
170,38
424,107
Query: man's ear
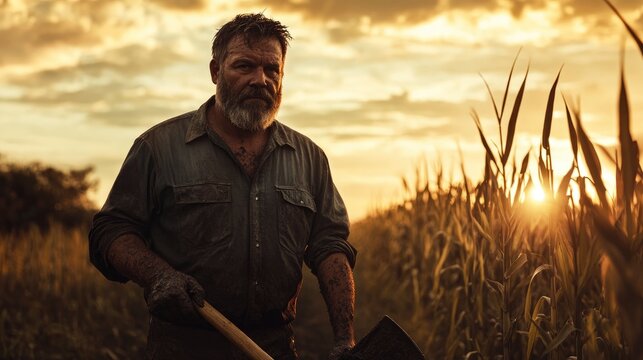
x,y
214,71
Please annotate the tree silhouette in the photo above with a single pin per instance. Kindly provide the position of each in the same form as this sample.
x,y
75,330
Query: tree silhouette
x,y
38,195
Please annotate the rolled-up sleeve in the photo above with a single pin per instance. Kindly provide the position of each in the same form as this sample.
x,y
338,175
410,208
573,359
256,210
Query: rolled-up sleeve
x,y
331,225
127,210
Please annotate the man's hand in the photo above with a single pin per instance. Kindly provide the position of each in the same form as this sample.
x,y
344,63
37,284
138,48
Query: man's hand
x,y
172,297
169,294
338,288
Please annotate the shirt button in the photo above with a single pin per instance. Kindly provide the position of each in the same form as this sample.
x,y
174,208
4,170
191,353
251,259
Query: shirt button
x,y
257,245
256,198
301,201
256,283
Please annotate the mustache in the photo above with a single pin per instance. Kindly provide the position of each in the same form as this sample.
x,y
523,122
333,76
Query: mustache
x,y
257,93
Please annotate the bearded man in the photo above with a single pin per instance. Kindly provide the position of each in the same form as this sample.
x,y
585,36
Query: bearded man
x,y
225,204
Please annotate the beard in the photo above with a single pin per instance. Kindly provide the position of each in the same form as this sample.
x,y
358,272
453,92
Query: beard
x,y
252,109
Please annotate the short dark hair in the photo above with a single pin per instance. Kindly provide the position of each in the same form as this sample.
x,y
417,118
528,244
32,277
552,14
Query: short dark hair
x,y
252,27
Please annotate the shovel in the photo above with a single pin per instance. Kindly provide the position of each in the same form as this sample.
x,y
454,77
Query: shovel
x,y
386,341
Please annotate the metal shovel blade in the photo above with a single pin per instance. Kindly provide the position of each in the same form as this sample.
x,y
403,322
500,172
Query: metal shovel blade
x,y
386,341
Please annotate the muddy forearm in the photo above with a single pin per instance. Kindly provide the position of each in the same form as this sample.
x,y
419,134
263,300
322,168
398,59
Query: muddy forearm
x,y
130,257
338,288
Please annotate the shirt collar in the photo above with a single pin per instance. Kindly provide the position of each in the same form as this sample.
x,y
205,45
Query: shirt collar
x,y
281,136
199,122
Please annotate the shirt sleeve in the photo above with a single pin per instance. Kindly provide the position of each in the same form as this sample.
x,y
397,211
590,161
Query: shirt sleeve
x,y
331,225
127,210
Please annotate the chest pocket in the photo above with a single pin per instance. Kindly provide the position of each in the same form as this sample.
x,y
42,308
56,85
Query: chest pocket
x,y
296,212
204,214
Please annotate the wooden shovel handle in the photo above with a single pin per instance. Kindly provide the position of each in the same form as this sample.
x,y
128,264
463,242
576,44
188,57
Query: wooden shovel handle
x,y
232,333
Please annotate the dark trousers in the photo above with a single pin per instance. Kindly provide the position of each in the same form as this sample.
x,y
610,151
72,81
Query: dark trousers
x,y
175,342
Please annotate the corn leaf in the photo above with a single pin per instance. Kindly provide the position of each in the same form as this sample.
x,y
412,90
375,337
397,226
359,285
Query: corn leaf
x,y
627,26
564,184
593,163
495,285
521,177
549,112
572,132
543,172
538,270
612,158
560,337
525,163
513,119
493,100
476,119
504,97
519,262
533,330
629,160
544,334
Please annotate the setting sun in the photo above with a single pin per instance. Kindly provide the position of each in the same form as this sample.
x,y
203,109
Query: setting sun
x,y
536,194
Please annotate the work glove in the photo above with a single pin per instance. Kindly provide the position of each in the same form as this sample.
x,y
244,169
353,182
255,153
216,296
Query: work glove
x,y
172,296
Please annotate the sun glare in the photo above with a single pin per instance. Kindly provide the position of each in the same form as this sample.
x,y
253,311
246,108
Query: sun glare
x,y
537,194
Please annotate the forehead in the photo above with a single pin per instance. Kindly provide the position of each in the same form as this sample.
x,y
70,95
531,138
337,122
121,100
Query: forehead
x,y
267,49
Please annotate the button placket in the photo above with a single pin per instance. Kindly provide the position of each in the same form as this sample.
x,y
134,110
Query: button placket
x,y
255,237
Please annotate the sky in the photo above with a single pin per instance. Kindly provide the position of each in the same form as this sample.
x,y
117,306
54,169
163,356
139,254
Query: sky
x,y
382,86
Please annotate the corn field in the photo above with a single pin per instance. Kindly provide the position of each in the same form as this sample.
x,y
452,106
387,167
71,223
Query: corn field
x,y
484,276
470,270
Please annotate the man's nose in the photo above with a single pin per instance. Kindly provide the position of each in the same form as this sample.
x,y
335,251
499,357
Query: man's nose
x,y
259,77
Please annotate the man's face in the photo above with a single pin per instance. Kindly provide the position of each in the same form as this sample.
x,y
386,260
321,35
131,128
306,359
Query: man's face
x,y
249,82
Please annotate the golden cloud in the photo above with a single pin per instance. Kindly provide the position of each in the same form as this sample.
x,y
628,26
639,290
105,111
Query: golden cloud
x,y
31,30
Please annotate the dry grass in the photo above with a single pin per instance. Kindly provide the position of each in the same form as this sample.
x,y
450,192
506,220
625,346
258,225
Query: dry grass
x,y
55,305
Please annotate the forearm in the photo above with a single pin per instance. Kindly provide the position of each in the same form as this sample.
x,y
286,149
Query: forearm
x,y
169,293
130,257
338,289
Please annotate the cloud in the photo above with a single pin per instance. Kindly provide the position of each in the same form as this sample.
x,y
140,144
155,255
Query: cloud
x,y
145,113
109,89
31,29
187,5
517,7
344,21
116,103
409,11
124,62
392,117
582,7
61,31
112,89
415,11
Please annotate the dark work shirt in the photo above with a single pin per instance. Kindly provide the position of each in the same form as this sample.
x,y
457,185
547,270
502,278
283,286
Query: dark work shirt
x,y
244,239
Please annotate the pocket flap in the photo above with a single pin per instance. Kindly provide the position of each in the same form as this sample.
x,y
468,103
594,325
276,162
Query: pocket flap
x,y
297,197
202,193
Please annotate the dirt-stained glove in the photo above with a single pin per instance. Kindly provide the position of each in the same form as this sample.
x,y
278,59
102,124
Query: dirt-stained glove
x,y
172,295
